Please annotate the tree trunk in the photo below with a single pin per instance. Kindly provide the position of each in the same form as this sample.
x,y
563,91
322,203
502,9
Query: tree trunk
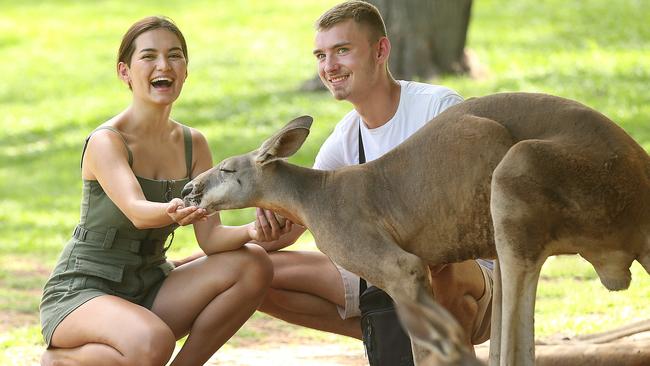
x,y
427,36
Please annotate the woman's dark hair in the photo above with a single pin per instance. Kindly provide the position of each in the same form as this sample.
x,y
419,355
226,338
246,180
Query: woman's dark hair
x,y
144,25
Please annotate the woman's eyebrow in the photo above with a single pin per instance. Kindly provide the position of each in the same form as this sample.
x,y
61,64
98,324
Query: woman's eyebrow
x,y
155,50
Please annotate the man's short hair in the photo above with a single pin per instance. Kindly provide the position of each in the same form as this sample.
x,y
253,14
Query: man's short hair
x,y
361,12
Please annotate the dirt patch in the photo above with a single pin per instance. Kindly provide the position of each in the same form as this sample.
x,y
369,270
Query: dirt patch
x,y
267,332
291,354
267,341
12,319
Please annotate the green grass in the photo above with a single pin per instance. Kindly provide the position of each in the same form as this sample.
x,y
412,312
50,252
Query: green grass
x,y
247,59
571,300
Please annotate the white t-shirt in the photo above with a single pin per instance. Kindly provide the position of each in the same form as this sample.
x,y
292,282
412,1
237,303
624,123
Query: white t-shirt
x,y
418,104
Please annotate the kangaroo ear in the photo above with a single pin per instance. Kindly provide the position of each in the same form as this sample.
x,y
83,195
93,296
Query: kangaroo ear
x,y
285,142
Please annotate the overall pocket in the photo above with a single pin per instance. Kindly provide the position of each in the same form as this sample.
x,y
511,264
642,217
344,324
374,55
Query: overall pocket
x,y
89,272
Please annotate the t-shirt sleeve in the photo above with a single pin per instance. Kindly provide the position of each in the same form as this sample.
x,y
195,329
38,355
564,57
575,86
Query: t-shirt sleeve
x,y
330,155
447,101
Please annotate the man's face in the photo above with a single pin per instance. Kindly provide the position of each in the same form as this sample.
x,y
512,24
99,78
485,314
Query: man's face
x,y
346,60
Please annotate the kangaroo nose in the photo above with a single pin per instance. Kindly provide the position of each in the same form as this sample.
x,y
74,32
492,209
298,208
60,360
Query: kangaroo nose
x,y
187,189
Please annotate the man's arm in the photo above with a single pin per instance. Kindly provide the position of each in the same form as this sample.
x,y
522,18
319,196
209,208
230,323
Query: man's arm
x,y
275,236
285,240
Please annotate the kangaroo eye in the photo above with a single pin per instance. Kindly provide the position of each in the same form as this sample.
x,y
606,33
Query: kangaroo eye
x,y
226,170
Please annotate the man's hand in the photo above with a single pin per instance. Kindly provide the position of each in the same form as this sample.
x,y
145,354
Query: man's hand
x,y
185,215
268,226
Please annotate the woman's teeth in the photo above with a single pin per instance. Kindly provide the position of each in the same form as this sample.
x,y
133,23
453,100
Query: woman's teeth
x,y
161,82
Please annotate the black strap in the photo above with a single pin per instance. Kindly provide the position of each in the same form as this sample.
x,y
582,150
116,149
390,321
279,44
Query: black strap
x,y
362,153
362,159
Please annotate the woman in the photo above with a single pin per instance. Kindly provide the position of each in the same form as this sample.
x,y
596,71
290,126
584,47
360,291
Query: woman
x,y
113,299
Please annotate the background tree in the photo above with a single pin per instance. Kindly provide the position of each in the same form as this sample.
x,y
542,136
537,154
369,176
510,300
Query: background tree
x,y
427,37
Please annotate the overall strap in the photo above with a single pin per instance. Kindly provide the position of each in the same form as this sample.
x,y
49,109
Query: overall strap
x,y
362,159
187,138
111,129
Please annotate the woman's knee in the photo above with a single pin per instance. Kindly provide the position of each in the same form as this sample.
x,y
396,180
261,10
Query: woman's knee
x,y
151,345
256,269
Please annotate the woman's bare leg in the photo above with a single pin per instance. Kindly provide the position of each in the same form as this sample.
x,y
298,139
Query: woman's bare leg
x,y
108,330
211,297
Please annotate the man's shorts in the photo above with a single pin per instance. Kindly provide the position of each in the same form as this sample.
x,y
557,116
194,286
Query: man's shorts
x,y
481,331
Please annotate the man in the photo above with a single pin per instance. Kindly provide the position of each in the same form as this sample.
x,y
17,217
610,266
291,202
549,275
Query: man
x,y
308,289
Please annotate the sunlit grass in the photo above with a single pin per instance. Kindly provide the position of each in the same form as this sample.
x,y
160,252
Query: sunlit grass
x,y
571,300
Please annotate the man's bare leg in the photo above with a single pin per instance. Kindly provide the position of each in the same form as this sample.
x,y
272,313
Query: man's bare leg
x,y
457,287
306,289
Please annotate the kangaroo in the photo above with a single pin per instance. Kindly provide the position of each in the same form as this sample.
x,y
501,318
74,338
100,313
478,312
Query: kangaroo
x,y
518,176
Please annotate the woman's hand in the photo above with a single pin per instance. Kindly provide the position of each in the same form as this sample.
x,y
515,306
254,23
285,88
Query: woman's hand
x,y
179,262
185,215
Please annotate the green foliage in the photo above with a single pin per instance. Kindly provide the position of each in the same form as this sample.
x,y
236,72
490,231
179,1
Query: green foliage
x,y
247,59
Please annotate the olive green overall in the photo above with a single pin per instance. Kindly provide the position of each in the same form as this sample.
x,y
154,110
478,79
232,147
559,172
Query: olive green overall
x,y
107,254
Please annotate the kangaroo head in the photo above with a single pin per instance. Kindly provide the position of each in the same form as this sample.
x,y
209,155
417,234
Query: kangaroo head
x,y
239,181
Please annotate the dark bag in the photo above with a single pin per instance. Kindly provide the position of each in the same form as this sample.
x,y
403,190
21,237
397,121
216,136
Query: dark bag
x,y
385,341
384,338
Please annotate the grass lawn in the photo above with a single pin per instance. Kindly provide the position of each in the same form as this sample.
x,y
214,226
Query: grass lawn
x,y
247,59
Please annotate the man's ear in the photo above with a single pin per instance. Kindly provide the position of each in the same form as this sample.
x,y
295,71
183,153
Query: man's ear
x,y
285,142
383,50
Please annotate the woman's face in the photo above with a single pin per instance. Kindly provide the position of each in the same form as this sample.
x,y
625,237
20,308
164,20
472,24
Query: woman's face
x,y
158,67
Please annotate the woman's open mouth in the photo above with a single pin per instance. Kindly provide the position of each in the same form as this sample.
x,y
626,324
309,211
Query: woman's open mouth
x,y
162,82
